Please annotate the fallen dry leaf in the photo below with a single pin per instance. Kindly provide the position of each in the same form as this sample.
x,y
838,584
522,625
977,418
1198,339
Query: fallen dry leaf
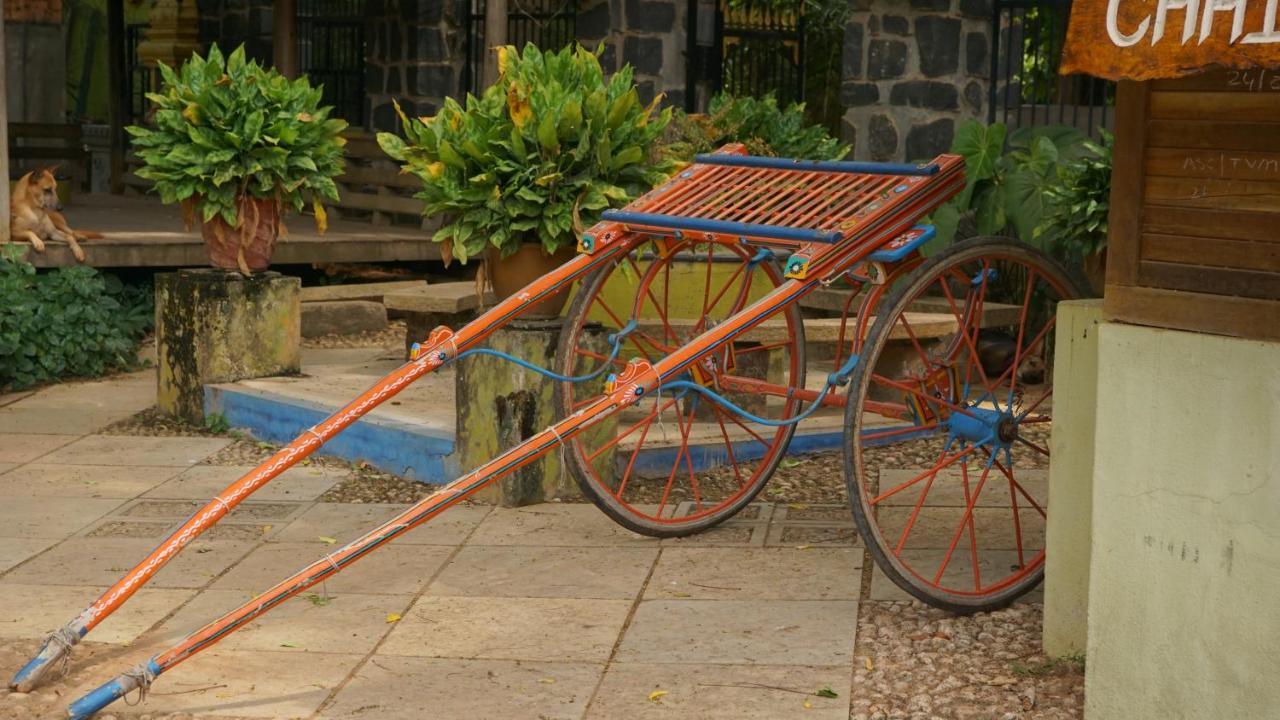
x,y
393,617
547,681
656,695
869,664
326,539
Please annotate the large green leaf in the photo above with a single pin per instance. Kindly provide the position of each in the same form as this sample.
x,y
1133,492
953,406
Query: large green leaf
x,y
981,146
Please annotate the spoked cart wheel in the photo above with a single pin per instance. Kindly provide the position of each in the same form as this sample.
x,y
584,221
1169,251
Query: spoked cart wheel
x,y
955,383
677,462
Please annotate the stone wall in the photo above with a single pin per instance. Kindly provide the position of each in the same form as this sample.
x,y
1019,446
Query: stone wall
x,y
913,69
647,34
415,54
232,22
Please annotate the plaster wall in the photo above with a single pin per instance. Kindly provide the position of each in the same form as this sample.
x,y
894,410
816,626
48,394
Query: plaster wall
x,y
1184,591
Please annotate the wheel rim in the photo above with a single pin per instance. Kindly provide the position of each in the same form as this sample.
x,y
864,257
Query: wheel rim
x,y
677,460
973,408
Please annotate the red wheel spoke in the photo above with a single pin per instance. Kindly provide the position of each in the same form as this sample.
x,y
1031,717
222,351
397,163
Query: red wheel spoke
x,y
734,417
920,394
906,325
728,444
1033,446
728,284
973,533
1021,490
943,462
648,419
1022,415
963,330
910,430
675,466
968,515
915,511
1022,329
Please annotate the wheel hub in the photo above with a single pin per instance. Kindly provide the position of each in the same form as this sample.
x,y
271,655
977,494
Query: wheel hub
x,y
981,426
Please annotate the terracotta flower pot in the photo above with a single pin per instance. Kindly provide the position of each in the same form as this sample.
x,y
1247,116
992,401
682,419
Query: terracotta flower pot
x,y
510,274
247,248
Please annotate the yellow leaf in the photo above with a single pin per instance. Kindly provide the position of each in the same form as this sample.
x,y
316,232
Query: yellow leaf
x,y
192,113
868,664
656,695
803,547
322,217
435,170
505,59
547,681
798,506
518,105
808,705
304,117
393,617
327,540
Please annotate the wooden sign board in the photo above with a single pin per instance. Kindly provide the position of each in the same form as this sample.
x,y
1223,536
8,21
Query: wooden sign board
x,y
1150,39
1195,206
33,11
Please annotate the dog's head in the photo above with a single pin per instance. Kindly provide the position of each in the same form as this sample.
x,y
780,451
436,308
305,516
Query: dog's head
x,y
42,189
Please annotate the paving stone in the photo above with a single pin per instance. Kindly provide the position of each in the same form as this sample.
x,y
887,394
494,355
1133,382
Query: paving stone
x,y
250,511
555,524
935,527
727,534
14,551
393,569
33,611
6,467
38,517
720,692
25,447
541,629
959,574
948,488
122,450
80,408
514,571
40,479
342,317
347,522
465,689
102,561
747,632
756,574
204,481
315,621
243,684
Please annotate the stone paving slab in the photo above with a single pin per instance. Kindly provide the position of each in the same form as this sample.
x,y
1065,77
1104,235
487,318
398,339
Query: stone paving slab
x,y
38,517
80,408
33,611
204,481
720,692
6,467
39,479
755,632
24,447
757,574
393,569
127,450
555,525
102,561
411,688
228,683
515,571
558,629
959,573
316,621
14,551
347,522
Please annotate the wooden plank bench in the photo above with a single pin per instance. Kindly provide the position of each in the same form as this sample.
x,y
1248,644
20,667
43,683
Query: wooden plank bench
x,y
36,145
426,308
374,291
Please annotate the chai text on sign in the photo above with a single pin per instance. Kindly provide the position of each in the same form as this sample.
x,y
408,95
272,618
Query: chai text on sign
x,y
1195,13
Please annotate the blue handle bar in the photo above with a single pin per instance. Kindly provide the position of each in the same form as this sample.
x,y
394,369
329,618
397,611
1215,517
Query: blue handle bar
x,y
89,705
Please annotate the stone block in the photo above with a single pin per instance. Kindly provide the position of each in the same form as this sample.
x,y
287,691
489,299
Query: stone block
x,y
925,142
859,94
975,96
886,59
938,42
431,80
214,326
925,94
342,317
422,12
980,9
644,54
895,25
650,15
426,44
500,406
938,5
882,138
977,61
593,22
852,52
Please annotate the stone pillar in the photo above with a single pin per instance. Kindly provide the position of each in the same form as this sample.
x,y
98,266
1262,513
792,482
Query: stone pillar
x,y
213,326
500,405
912,72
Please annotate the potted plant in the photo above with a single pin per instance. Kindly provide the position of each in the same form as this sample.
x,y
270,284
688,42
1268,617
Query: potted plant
x,y
236,144
521,170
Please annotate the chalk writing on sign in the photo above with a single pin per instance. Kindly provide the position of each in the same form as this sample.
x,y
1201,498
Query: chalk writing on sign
x,y
1225,165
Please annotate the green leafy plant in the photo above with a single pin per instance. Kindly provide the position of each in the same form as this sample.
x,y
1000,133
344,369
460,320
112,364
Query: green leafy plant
x,y
1076,208
1007,190
765,127
217,423
69,322
228,129
537,156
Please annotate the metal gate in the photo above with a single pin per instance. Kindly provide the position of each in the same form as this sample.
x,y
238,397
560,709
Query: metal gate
x,y
1026,88
548,24
752,48
331,51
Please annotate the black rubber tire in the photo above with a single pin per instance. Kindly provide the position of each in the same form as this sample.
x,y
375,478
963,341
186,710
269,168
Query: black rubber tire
x,y
886,313
574,322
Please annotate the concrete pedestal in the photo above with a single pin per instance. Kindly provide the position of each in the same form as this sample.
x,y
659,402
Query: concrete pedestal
x,y
500,405
213,327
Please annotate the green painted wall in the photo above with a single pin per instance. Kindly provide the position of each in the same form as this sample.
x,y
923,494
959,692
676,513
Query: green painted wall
x,y
1184,592
1069,531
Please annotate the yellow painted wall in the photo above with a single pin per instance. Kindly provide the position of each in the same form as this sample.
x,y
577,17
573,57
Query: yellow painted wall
x,y
1069,531
1184,606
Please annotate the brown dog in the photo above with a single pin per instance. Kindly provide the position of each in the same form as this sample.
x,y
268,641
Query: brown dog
x,y
34,216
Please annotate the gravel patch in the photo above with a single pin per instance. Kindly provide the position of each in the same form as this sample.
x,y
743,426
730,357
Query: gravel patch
x,y
391,337
917,663
153,423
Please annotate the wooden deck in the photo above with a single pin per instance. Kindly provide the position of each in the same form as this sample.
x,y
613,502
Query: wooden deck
x,y
141,232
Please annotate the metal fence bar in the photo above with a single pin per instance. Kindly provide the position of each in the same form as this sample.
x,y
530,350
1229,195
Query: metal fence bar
x,y
331,51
